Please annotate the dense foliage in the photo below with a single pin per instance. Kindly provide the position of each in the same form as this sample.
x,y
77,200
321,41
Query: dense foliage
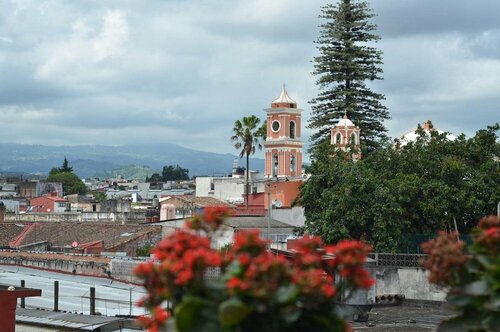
x,y
255,290
400,191
247,136
170,173
70,181
473,277
346,61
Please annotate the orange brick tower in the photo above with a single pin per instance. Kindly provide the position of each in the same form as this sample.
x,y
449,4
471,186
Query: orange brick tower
x,y
345,135
283,144
283,150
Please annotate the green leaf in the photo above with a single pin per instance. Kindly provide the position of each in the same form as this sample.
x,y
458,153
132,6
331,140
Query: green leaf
x,y
479,287
492,322
232,312
186,313
286,294
485,261
459,300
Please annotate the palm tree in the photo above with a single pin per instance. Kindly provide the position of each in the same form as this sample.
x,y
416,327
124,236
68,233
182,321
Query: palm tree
x,y
248,136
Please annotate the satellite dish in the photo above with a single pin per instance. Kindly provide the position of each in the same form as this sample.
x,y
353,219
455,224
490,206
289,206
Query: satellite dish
x,y
277,203
74,244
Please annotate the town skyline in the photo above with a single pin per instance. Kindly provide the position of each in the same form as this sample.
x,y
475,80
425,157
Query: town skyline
x,y
124,72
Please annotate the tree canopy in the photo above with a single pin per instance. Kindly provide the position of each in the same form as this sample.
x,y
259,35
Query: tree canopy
x,y
400,192
346,61
70,181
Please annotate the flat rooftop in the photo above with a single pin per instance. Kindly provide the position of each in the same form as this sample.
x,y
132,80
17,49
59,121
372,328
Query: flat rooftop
x,y
408,316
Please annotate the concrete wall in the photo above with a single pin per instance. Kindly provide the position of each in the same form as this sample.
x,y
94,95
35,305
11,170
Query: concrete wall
x,y
411,282
123,269
74,264
293,216
121,217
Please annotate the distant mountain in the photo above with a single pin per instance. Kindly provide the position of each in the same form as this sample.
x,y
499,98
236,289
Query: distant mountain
x,y
128,172
93,160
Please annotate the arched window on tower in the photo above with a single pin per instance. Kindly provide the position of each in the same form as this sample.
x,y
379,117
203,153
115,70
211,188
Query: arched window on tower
x,y
292,164
292,129
353,139
338,138
275,165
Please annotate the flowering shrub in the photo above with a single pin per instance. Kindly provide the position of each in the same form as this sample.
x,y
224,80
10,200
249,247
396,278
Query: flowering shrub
x,y
473,277
256,290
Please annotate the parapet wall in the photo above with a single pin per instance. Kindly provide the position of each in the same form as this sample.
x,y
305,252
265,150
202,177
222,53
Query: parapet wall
x,y
411,282
74,264
120,217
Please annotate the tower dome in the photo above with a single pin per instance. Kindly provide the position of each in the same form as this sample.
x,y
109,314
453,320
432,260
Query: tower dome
x,y
284,100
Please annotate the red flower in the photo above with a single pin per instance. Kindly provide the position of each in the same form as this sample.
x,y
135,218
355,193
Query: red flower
x,y
446,257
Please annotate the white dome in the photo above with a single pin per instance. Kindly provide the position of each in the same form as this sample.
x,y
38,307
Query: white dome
x,y
412,136
284,98
345,122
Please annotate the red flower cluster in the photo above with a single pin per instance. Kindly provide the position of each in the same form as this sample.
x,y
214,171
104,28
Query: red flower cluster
x,y
349,257
186,256
489,234
250,271
309,270
248,244
158,318
260,273
261,278
210,221
183,258
446,257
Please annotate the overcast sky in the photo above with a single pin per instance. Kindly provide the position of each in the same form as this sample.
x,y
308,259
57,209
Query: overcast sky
x,y
118,72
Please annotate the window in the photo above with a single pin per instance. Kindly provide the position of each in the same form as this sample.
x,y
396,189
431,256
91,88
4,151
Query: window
x,y
338,138
353,138
275,165
275,126
292,164
292,129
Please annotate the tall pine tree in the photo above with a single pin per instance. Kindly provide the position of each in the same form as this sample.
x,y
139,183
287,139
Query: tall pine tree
x,y
344,65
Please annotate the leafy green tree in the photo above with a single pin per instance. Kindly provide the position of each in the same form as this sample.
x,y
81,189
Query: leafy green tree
x,y
70,181
247,136
344,64
65,166
397,196
155,177
177,173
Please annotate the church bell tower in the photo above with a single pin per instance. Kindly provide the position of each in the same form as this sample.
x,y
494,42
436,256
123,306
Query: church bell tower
x,y
283,144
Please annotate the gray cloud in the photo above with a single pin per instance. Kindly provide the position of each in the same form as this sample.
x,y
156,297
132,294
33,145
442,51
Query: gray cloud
x,y
118,72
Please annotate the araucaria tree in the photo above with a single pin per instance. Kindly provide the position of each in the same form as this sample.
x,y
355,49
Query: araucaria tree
x,y
247,136
346,61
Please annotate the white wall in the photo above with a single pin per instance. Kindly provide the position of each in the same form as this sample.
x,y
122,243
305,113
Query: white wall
x,y
294,216
411,282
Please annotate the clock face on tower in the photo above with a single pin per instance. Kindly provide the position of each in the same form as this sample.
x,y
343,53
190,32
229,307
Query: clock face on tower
x,y
275,126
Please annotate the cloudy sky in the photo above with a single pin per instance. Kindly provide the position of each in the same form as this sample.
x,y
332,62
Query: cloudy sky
x,y
118,72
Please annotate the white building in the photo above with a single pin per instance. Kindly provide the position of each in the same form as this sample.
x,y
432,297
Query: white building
x,y
229,189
